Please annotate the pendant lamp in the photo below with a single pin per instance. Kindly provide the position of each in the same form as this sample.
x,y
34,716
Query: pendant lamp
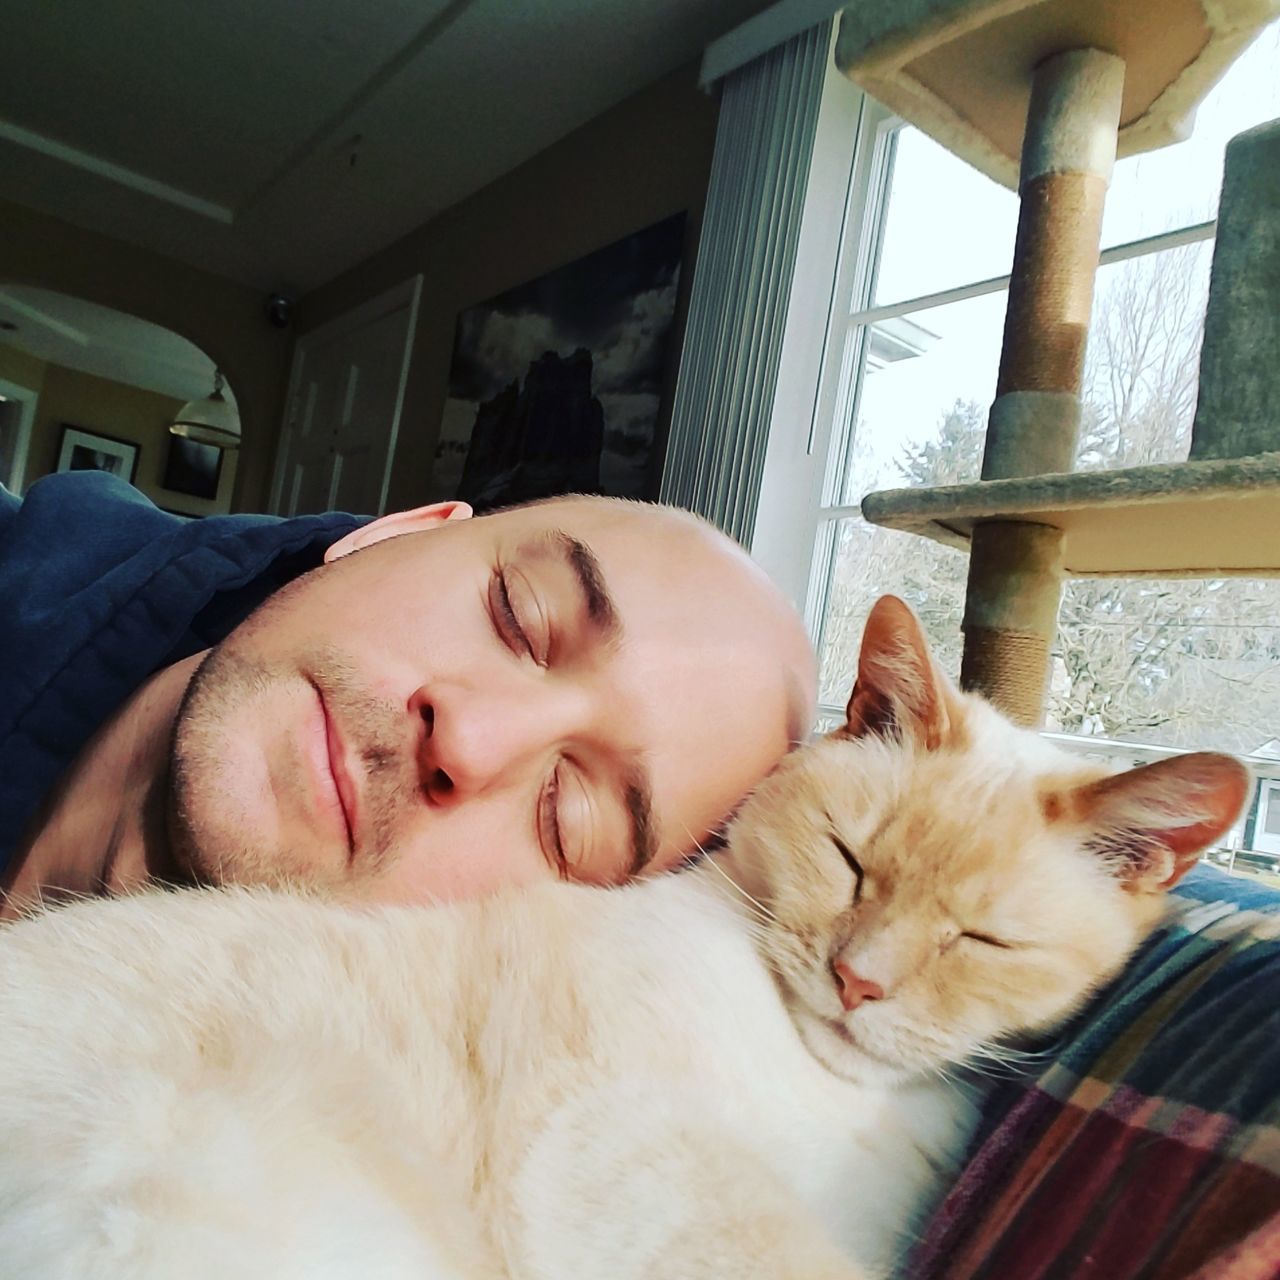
x,y
212,420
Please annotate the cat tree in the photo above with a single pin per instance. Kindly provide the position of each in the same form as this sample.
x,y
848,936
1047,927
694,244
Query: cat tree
x,y
1043,94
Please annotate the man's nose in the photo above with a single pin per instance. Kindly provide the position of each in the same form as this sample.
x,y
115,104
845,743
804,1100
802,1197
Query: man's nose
x,y
471,740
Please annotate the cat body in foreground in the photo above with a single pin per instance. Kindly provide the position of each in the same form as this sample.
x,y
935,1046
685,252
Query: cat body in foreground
x,y
665,1082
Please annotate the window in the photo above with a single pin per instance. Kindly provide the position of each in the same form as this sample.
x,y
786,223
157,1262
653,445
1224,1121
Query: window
x,y
909,371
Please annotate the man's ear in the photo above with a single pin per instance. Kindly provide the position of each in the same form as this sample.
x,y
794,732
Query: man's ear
x,y
396,523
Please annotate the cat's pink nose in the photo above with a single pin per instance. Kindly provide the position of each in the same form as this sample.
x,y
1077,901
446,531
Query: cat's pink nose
x,y
853,989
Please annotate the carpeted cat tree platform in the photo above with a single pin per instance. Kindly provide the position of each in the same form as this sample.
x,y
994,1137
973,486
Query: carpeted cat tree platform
x,y
1044,95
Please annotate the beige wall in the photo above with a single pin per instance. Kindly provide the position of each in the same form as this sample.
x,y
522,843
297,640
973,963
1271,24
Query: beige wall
x,y
224,319
68,396
645,159
17,366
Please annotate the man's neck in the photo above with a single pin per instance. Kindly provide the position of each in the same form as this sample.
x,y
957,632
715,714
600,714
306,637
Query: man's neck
x,y
102,828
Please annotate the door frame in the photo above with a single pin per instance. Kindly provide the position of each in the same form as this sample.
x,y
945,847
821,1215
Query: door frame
x,y
26,397
408,291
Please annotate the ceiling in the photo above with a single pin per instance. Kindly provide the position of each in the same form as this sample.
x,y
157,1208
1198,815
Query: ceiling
x,y
280,144
82,335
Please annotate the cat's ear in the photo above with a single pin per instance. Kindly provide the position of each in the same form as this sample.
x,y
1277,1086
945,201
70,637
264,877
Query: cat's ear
x,y
1152,823
899,692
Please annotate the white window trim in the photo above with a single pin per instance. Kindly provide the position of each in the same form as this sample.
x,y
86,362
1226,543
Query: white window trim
x,y
1194,233
844,186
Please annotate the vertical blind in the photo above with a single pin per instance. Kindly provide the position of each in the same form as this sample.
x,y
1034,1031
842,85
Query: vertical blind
x,y
742,282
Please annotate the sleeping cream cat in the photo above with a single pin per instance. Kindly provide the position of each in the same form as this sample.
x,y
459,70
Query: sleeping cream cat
x,y
736,1071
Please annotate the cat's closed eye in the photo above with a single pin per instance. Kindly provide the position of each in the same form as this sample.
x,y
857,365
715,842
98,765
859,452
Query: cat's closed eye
x,y
853,864
987,939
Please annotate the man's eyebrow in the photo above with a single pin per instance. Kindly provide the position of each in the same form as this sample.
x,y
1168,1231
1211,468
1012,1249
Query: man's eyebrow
x,y
586,569
639,802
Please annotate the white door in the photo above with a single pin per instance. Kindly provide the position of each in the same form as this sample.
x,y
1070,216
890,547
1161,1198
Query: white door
x,y
17,415
343,413
1266,831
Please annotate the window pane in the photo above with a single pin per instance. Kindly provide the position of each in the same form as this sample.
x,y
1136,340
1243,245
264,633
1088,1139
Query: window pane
x,y
1271,824
869,562
1167,662
926,370
1170,662
928,382
947,224
1178,185
1143,362
930,377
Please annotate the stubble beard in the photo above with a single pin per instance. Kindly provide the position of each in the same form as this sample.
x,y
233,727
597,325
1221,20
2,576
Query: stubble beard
x,y
211,842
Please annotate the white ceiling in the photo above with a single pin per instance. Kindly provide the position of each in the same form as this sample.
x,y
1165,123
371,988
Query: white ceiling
x,y
222,132
98,340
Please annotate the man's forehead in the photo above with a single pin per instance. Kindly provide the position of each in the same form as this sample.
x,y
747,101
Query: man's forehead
x,y
712,627
597,511
617,540
589,526
545,512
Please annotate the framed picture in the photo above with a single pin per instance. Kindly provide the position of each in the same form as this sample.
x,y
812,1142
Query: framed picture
x,y
558,385
191,468
83,450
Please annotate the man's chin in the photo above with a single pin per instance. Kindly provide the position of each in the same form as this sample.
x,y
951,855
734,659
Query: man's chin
x,y
236,777
214,856
253,797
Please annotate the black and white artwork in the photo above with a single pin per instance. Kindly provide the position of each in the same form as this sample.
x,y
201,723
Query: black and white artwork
x,y
556,386
81,450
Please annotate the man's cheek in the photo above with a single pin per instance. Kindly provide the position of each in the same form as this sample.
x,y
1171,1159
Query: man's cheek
x,y
460,860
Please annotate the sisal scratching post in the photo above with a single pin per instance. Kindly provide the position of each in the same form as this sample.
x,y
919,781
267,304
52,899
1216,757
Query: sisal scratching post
x,y
1015,569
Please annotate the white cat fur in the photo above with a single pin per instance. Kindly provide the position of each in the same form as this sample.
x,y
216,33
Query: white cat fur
x,y
256,1085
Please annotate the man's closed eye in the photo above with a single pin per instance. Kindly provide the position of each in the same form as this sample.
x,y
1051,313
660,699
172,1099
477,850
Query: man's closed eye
x,y
519,616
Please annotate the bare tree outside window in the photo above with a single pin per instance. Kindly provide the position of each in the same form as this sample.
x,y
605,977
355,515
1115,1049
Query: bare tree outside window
x,y
1178,663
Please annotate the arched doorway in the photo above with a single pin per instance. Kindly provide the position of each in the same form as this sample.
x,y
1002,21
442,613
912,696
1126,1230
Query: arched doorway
x,y
83,385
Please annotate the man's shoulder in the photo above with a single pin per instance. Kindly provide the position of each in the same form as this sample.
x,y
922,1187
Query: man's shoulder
x,y
74,527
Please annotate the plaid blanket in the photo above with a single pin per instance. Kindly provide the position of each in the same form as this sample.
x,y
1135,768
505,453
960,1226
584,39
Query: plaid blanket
x,y
1149,1148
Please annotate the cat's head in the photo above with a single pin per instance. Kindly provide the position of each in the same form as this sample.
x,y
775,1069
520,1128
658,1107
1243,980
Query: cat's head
x,y
938,880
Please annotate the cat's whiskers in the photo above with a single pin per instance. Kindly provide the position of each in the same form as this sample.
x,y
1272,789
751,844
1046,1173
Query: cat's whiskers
x,y
944,1073
1010,1053
990,1072
762,911
1003,1062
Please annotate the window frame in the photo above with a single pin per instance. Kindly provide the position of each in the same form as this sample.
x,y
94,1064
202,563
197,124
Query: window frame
x,y
802,498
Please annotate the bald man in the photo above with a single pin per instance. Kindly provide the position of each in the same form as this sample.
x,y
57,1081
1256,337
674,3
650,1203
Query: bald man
x,y
579,688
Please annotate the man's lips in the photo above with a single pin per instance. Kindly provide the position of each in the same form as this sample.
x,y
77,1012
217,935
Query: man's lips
x,y
342,781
